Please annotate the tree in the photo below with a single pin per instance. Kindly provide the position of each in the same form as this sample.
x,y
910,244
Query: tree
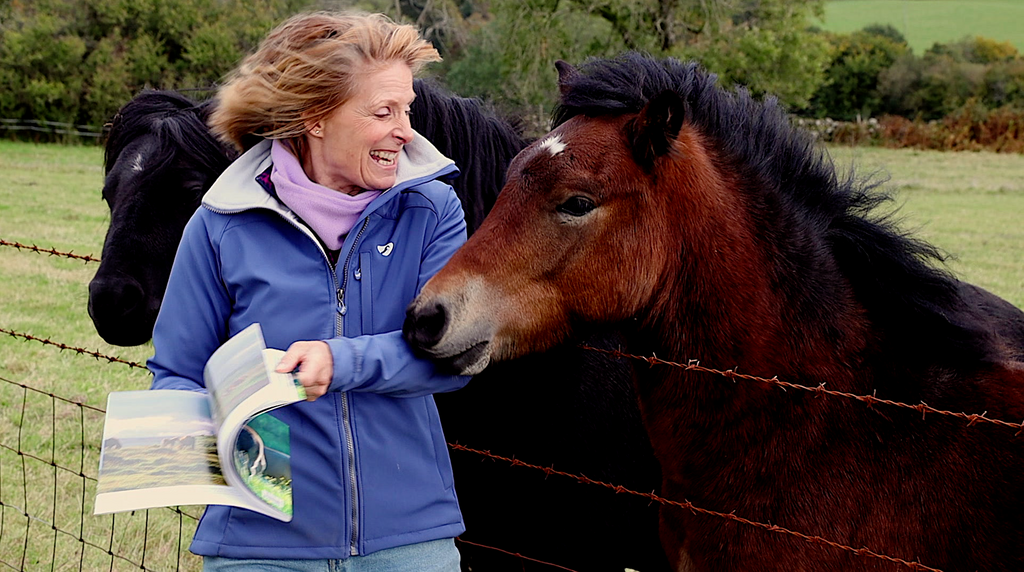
x,y
78,61
764,45
975,50
851,81
510,59
974,71
767,47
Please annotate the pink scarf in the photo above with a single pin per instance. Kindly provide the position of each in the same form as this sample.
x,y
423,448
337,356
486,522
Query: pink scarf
x,y
331,214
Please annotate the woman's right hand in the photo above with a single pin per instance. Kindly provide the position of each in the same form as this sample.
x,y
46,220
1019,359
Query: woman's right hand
x,y
315,366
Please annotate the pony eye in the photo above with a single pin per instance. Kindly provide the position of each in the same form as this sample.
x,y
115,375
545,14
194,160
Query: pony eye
x,y
576,206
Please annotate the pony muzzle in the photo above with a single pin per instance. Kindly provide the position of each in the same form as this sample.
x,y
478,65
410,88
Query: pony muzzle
x,y
436,328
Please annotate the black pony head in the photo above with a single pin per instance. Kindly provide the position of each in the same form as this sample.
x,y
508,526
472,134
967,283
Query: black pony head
x,y
159,159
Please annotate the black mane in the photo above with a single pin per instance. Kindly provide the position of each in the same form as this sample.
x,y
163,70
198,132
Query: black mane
x,y
180,125
916,305
481,142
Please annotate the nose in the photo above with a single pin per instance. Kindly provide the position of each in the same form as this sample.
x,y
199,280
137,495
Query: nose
x,y
425,325
120,309
403,131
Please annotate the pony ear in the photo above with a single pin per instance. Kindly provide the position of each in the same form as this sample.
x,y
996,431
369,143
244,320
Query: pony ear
x,y
652,132
565,73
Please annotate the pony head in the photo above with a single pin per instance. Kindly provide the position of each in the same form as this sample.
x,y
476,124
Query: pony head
x,y
580,234
159,159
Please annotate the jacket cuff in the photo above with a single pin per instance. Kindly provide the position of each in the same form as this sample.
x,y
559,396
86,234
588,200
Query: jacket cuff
x,y
346,360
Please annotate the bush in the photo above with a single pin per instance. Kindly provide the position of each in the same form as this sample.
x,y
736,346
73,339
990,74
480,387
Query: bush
x,y
1004,84
107,85
975,50
851,86
948,76
786,62
970,128
78,61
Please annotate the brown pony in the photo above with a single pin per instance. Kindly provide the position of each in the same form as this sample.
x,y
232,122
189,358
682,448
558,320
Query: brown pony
x,y
702,225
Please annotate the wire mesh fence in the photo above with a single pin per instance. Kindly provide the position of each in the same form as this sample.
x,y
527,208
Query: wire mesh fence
x,y
49,453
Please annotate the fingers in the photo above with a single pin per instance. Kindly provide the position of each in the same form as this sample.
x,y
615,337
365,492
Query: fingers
x,y
315,366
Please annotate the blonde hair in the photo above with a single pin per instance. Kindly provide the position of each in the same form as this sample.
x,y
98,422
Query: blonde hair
x,y
304,69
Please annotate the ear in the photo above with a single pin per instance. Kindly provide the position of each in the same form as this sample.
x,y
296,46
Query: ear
x,y
565,73
313,128
652,132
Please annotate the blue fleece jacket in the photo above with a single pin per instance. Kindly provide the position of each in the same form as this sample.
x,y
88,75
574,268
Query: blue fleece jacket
x,y
370,467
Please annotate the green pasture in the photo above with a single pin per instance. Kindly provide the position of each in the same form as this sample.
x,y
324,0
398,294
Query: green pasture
x,y
51,198
925,22
969,204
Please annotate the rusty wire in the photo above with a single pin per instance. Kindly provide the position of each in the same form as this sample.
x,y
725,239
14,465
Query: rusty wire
x,y
51,251
80,351
870,400
691,507
513,554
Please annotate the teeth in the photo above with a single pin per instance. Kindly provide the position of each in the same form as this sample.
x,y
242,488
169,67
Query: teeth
x,y
385,157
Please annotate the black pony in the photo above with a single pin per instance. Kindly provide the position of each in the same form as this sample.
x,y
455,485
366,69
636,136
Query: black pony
x,y
570,408
159,160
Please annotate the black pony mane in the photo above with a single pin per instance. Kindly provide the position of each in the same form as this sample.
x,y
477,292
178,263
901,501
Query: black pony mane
x,y
180,125
918,306
481,142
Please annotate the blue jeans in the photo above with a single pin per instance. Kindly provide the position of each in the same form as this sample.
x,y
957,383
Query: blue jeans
x,y
434,556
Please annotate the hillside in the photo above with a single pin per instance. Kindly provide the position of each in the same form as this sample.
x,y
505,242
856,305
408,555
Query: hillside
x,y
924,22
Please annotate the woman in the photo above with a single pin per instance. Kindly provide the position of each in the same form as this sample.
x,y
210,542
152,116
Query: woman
x,y
323,232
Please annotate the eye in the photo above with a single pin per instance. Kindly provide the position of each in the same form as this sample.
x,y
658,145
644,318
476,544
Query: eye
x,y
195,190
576,206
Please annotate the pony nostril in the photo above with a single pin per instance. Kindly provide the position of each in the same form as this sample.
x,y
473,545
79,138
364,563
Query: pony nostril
x,y
114,297
424,327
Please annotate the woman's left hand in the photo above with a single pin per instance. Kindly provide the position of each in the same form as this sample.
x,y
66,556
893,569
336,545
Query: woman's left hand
x,y
315,364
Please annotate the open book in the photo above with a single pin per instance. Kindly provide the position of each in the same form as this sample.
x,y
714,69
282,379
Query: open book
x,y
169,447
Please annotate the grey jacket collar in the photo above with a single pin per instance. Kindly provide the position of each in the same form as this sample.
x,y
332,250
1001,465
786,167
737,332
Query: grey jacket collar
x,y
237,189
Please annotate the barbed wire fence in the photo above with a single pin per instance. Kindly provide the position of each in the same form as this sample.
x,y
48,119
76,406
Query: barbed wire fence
x,y
46,473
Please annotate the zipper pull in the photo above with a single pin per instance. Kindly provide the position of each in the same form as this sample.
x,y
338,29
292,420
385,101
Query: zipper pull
x,y
359,273
341,301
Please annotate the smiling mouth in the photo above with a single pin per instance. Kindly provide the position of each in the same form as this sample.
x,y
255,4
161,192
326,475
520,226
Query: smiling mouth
x,y
385,158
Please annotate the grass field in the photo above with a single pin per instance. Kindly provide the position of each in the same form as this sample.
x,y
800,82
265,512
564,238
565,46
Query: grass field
x,y
969,204
925,22
51,198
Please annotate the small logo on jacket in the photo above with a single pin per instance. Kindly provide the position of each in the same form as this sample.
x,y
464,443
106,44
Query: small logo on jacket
x,y
385,249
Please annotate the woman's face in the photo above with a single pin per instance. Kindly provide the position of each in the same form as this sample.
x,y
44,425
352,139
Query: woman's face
x,y
356,147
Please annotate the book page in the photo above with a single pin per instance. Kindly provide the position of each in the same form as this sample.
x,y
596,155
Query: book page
x,y
242,380
159,449
262,460
236,371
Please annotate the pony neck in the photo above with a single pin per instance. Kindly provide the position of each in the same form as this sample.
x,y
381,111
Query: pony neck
x,y
731,301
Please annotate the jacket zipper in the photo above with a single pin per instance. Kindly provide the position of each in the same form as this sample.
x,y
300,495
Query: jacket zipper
x,y
345,407
339,329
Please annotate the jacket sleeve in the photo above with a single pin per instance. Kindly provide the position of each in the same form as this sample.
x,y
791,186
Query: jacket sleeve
x,y
384,363
192,322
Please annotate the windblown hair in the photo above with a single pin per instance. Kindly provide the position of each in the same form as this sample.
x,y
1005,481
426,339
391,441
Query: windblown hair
x,y
306,68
